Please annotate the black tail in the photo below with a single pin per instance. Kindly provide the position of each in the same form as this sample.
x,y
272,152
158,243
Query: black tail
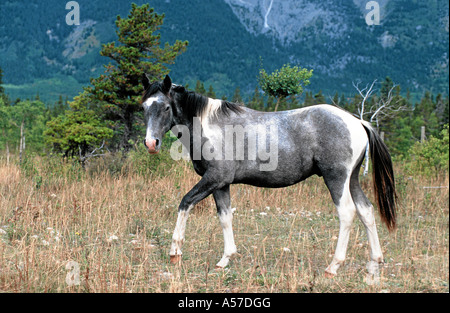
x,y
383,178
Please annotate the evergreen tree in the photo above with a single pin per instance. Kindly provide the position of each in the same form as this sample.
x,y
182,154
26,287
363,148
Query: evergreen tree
x,y
309,100
319,98
442,111
353,105
292,103
342,101
60,107
386,86
257,101
2,90
426,110
4,99
200,88
138,51
237,96
336,99
78,131
401,139
211,94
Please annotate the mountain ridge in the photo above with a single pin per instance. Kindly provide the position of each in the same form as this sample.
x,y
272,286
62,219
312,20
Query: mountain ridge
x,y
230,40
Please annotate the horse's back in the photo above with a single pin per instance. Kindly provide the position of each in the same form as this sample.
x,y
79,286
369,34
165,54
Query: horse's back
x,y
320,136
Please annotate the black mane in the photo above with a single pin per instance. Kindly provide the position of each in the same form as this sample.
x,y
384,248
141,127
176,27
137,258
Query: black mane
x,y
194,104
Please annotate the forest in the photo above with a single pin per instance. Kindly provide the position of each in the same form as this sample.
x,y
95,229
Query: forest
x,y
27,124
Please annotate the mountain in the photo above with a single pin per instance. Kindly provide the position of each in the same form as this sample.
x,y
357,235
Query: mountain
x,y
229,41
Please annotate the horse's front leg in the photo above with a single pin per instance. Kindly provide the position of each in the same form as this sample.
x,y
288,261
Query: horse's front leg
x,y
178,234
200,191
222,198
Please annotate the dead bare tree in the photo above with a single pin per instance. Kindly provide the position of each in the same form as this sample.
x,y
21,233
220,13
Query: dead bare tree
x,y
383,107
85,158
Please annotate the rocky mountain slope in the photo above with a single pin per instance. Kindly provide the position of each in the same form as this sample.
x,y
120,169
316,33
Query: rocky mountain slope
x,y
231,39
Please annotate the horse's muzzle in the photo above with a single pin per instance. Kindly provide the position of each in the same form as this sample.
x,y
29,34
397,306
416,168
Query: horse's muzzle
x,y
152,145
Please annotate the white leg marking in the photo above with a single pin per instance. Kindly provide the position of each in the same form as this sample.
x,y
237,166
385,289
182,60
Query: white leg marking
x,y
346,212
178,234
225,219
367,217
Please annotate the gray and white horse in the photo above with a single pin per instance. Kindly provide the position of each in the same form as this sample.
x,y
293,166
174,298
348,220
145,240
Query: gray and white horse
x,y
322,140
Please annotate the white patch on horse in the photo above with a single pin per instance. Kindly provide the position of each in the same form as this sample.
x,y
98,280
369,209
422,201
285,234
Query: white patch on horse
x,y
213,148
178,234
358,135
148,103
225,219
346,212
211,109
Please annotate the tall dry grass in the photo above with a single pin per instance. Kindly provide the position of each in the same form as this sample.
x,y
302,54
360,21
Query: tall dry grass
x,y
118,229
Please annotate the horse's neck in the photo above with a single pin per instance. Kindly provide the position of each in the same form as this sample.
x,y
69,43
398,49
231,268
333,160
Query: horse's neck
x,y
183,120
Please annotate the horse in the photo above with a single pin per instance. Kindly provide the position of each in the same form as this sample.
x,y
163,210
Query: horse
x,y
321,140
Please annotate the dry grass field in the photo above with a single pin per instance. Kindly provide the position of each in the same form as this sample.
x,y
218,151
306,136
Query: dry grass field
x,y
117,229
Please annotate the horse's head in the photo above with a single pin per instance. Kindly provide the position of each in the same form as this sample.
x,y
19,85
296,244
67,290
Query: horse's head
x,y
158,113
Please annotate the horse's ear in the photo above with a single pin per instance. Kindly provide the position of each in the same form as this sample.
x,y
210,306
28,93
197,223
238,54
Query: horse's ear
x,y
145,81
167,84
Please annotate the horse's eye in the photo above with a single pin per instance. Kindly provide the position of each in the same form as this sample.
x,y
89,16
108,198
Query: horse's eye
x,y
167,108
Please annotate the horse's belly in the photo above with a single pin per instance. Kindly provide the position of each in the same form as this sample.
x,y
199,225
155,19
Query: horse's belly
x,y
283,176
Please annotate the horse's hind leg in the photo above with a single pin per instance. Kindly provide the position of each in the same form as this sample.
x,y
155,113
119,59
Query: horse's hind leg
x,y
338,184
365,212
222,198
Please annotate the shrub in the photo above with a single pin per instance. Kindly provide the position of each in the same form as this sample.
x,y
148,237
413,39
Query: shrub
x,y
432,156
142,163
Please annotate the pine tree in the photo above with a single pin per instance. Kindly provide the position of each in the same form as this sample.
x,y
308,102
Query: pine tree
x,y
442,110
342,101
237,96
2,90
78,131
200,88
336,99
138,51
292,103
386,87
319,98
4,99
309,100
426,110
257,101
211,94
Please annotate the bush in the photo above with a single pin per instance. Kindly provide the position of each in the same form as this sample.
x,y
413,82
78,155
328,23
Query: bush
x,y
46,171
112,163
142,163
432,156
137,161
